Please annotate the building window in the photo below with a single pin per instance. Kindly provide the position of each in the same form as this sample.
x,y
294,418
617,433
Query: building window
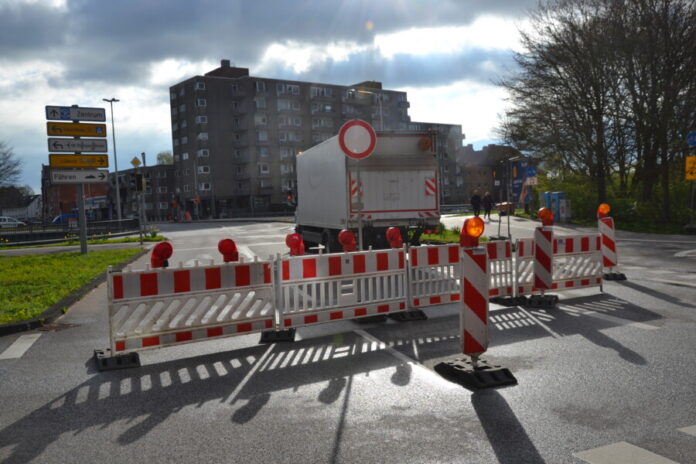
x,y
296,106
238,153
203,169
260,120
162,174
264,168
182,108
235,89
201,102
203,153
262,151
187,172
283,105
262,136
184,156
204,186
201,119
187,188
175,142
184,140
163,205
260,102
260,86
161,189
172,96
320,92
175,126
183,124
200,85
182,92
148,205
202,136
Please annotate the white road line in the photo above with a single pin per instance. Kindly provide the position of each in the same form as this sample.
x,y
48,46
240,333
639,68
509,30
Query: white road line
x,y
690,430
539,323
19,347
621,453
402,357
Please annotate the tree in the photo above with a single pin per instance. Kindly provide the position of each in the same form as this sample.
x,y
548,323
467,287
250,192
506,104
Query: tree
x,y
10,165
605,92
165,157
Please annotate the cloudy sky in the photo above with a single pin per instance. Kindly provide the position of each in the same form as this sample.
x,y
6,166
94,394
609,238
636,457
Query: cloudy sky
x,y
444,53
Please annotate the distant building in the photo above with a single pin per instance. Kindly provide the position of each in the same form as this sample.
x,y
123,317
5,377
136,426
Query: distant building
x,y
158,192
29,209
235,136
485,170
62,198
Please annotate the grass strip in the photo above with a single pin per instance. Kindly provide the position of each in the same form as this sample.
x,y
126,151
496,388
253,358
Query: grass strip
x,y
31,284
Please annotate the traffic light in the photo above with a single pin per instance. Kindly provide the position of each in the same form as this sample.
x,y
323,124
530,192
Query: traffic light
x,y
290,197
138,182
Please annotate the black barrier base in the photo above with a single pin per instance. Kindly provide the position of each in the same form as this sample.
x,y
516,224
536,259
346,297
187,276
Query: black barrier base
x,y
106,362
408,316
484,375
509,300
614,276
273,336
371,319
542,301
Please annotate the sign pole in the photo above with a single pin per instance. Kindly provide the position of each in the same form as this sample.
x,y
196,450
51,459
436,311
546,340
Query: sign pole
x,y
360,207
81,216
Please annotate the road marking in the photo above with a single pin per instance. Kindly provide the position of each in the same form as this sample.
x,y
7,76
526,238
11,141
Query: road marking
x,y
690,430
401,357
621,453
684,254
538,322
20,346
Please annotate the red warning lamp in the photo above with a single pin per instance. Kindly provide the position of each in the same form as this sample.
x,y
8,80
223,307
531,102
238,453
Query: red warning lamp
x,y
394,237
603,210
160,254
471,231
546,216
296,244
228,248
347,240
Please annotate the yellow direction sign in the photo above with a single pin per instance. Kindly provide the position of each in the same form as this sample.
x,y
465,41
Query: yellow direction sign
x,y
135,161
78,161
690,168
76,129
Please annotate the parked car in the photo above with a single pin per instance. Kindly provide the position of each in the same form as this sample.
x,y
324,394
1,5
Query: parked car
x,y
64,218
6,221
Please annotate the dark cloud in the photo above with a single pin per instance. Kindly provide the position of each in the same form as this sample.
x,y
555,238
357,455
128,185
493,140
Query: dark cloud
x,y
116,41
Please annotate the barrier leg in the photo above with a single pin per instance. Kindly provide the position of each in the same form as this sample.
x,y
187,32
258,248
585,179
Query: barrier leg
x,y
543,268
472,372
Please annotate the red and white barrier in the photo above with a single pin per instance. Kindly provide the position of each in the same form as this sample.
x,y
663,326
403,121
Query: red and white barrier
x,y
474,308
434,275
161,307
606,230
500,268
325,288
543,258
576,262
524,266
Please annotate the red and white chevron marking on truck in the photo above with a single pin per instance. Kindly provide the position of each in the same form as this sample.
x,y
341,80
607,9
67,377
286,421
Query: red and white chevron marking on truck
x,y
431,186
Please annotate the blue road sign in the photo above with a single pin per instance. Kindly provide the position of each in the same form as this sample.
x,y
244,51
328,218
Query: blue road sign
x,y
691,139
531,171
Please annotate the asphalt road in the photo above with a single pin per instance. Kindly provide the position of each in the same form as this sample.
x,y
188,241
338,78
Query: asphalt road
x,y
603,378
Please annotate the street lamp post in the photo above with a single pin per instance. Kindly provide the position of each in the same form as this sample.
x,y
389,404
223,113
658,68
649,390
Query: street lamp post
x,y
113,135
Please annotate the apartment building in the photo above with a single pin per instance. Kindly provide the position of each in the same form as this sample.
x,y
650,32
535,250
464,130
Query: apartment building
x,y
235,136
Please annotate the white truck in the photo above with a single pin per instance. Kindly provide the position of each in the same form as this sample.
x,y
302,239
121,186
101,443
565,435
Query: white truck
x,y
396,186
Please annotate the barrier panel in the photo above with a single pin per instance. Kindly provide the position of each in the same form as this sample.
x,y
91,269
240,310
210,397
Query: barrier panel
x,y
574,261
325,288
500,268
153,308
606,230
434,275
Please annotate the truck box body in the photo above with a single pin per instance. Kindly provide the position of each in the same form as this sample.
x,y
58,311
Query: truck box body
x,y
399,184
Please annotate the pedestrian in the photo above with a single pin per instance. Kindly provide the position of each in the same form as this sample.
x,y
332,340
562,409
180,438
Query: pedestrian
x,y
476,203
487,205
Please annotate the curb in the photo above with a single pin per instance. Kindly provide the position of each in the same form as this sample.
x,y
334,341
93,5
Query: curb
x,y
56,310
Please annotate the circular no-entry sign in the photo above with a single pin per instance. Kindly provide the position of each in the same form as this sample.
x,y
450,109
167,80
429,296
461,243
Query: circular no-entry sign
x,y
357,139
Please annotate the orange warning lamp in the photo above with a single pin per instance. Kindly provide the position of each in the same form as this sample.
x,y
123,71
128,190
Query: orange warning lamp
x,y
546,216
228,249
296,244
471,231
603,210
347,240
394,237
160,254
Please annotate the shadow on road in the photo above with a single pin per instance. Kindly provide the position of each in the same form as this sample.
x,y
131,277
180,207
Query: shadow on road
x,y
507,437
